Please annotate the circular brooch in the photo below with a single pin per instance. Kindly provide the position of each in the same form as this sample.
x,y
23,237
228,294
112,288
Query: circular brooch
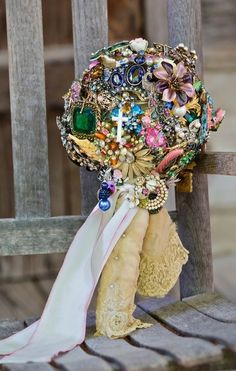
x,y
138,115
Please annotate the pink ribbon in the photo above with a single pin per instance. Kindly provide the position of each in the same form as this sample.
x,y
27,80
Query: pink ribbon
x,y
62,325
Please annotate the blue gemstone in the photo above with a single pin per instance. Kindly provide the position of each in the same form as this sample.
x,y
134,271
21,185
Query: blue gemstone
x,y
106,76
116,79
137,110
169,105
104,185
104,205
115,112
135,74
139,59
103,194
138,129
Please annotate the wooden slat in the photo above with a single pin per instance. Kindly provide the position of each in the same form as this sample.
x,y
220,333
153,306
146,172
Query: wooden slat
x,y
89,33
184,24
79,360
156,21
10,327
186,351
28,112
224,267
21,300
124,355
28,367
188,321
40,235
214,306
222,163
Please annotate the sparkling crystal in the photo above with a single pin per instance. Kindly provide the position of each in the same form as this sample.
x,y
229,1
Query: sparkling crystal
x,y
135,75
84,121
137,110
116,79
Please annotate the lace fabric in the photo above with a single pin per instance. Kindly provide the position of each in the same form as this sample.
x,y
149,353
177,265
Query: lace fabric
x,y
162,257
148,258
118,284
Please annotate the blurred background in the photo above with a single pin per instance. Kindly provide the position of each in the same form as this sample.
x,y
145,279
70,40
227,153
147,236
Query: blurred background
x,y
25,281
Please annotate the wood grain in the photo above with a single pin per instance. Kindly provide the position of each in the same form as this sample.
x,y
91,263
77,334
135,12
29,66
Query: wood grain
x,y
28,367
10,327
188,321
214,306
89,33
79,360
38,235
184,25
21,300
186,351
28,113
125,355
221,163
156,29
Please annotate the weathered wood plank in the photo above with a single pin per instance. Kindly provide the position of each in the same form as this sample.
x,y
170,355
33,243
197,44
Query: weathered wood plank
x,y
90,32
9,327
28,112
224,267
156,21
184,25
214,306
222,163
194,230
187,321
79,360
40,235
186,351
22,300
27,367
59,73
124,355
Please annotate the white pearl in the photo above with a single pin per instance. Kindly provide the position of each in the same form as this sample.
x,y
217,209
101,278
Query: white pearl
x,y
181,134
197,124
123,151
179,111
177,129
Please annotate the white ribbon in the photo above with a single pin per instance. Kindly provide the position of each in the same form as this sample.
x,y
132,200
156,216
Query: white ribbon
x,y
62,325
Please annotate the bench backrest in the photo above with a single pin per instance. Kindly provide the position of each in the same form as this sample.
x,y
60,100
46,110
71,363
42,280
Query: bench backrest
x,y
33,231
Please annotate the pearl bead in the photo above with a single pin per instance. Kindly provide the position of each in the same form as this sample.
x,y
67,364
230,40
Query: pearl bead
x,y
181,135
179,111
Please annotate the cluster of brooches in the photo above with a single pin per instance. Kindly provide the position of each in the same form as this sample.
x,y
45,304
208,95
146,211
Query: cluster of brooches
x,y
139,112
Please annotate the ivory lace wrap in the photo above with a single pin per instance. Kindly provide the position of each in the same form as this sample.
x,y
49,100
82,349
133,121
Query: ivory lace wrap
x,y
148,259
118,283
162,256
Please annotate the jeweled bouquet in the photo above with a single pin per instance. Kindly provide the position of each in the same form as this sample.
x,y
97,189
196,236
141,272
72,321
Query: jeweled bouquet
x,y
139,115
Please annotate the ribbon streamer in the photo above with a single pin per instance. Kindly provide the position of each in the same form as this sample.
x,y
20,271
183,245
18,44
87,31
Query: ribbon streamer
x,y
62,325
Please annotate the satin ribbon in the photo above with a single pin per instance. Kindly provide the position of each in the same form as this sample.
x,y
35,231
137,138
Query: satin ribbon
x,y
62,325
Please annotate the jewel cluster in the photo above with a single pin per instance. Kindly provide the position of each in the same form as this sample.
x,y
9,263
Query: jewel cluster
x,y
139,115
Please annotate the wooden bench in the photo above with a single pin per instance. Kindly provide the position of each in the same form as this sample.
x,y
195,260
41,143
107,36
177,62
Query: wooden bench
x,y
197,333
